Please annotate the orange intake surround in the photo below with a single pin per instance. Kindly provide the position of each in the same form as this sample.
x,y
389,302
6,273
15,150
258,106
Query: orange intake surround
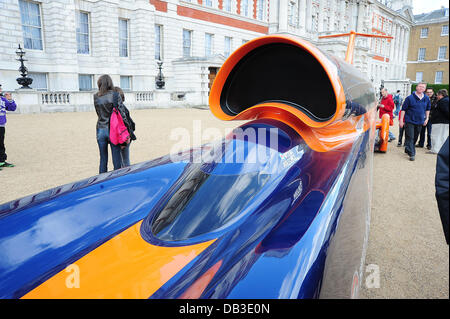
x,y
289,79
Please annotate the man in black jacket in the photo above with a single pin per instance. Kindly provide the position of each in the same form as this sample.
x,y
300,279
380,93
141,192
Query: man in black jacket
x,y
442,186
440,121
430,93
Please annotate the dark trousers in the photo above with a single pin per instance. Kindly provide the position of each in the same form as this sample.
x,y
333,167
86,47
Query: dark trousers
x,y
400,134
412,132
422,135
103,141
2,145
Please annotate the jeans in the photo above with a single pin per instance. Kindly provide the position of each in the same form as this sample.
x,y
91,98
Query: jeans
x,y
103,141
125,154
412,131
391,135
397,109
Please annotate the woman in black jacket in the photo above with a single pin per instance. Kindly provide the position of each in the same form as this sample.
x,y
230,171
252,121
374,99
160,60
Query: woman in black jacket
x,y
104,102
125,113
440,121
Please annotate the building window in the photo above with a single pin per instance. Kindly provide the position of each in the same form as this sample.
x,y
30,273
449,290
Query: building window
x,y
442,53
85,82
187,43
227,5
292,13
244,7
208,3
158,42
260,9
39,81
438,77
123,38
419,76
424,33
83,33
125,83
444,30
30,14
314,23
421,55
227,50
209,38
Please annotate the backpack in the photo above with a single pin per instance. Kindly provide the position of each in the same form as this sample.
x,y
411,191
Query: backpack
x,y
118,132
397,99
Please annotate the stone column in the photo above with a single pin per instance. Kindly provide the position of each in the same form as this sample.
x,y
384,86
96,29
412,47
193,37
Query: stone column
x,y
399,43
360,24
308,15
302,14
333,12
394,41
405,56
105,28
343,13
143,47
402,44
60,26
405,53
320,15
273,16
391,51
283,16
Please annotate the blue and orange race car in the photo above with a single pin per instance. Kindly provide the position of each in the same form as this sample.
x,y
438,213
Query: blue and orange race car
x,y
280,208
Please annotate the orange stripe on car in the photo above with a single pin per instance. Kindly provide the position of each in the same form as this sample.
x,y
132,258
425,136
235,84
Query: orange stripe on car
x,y
126,266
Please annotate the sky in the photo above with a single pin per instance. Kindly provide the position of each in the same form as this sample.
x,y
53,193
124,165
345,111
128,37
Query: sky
x,y
421,6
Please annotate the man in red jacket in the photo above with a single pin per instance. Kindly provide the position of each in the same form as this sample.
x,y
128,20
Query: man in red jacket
x,y
387,106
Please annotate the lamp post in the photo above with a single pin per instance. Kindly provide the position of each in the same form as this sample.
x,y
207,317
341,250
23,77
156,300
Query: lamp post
x,y
381,88
23,80
160,79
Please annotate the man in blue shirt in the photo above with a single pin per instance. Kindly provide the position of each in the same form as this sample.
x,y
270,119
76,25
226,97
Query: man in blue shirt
x,y
414,114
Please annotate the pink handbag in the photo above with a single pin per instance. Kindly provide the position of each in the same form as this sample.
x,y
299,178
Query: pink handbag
x,y
118,132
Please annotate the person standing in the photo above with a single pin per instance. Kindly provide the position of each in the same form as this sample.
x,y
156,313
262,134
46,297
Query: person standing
x,y
6,104
104,103
125,113
414,114
398,102
386,106
433,100
440,121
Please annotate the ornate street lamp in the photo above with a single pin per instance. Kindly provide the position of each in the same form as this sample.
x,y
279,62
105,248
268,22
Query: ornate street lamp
x,y
24,80
381,88
160,79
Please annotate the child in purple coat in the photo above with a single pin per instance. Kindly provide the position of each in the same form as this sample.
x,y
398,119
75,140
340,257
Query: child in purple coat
x,y
6,104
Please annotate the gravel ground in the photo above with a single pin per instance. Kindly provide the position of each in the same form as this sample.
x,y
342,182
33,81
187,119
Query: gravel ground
x,y
406,241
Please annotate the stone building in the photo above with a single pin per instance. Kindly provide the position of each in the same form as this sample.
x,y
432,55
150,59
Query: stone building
x,y
428,49
70,43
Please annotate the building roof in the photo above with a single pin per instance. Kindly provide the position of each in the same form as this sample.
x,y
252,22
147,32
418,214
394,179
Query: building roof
x,y
440,15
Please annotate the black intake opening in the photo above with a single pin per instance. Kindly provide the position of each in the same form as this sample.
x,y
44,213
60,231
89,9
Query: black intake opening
x,y
282,73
